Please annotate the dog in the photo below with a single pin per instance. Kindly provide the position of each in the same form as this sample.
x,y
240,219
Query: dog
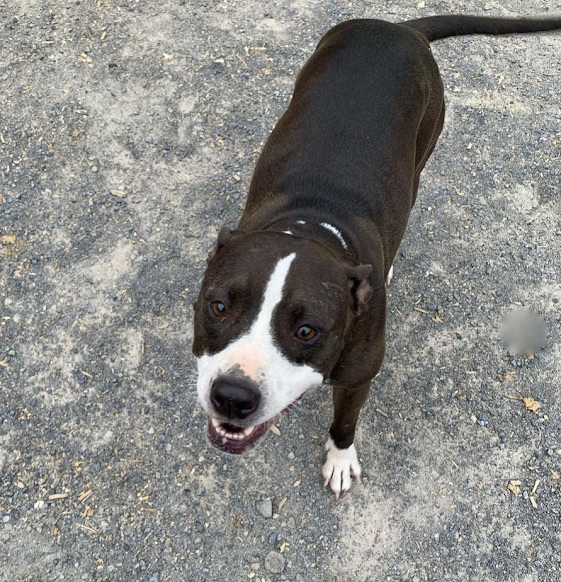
x,y
296,295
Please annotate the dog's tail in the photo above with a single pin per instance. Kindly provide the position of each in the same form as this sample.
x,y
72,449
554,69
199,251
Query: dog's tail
x,y
437,27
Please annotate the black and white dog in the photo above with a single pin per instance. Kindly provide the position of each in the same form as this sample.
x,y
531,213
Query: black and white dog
x,y
296,295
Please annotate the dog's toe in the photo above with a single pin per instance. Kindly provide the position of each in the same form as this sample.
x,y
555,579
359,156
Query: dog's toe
x,y
340,466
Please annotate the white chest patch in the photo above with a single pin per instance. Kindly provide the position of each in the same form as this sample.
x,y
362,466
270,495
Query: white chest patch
x,y
257,355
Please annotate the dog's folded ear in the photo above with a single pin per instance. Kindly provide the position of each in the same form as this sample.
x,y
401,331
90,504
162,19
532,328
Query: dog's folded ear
x,y
360,287
224,236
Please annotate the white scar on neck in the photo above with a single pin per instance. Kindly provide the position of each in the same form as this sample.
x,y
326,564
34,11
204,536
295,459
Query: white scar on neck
x,y
334,231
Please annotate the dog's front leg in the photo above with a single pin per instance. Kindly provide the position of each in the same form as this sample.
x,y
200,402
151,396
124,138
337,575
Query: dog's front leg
x,y
342,461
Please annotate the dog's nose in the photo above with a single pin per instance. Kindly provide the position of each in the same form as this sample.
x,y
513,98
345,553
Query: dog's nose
x,y
234,398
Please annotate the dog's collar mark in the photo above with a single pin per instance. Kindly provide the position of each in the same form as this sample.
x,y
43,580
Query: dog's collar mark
x,y
288,231
336,232
328,227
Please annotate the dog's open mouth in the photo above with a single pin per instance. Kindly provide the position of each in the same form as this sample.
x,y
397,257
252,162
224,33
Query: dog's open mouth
x,y
233,439
237,440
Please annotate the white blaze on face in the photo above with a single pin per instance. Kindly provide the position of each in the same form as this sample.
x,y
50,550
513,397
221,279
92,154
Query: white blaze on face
x,y
256,355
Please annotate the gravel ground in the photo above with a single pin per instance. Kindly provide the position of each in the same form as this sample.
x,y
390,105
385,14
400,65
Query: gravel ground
x,y
128,134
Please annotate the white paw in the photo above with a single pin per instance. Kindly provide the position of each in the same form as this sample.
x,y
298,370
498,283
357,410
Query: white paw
x,y
390,276
340,466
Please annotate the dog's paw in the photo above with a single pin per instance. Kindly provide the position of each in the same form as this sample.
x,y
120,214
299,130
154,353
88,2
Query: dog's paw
x,y
390,276
340,466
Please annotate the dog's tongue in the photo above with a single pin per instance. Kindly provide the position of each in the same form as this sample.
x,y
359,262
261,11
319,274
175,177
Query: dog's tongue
x,y
234,439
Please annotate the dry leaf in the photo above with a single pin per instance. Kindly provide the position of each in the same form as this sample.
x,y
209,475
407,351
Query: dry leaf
x,y
8,239
531,404
555,475
509,376
119,193
514,487
237,523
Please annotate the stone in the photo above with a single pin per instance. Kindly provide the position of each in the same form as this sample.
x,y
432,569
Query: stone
x,y
274,562
265,508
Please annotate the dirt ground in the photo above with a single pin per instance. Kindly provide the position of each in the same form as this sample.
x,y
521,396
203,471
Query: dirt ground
x,y
128,134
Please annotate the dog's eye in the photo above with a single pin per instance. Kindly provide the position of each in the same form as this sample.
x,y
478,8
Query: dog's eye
x,y
218,308
306,333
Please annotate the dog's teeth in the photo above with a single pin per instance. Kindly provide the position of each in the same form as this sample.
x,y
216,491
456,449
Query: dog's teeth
x,y
236,436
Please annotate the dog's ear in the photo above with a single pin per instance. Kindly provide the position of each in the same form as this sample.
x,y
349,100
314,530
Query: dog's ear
x,y
359,285
224,236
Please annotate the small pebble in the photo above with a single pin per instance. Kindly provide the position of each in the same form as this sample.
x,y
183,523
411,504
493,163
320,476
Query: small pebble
x,y
274,562
265,508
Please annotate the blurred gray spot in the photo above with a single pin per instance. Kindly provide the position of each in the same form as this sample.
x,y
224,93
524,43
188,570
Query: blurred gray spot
x,y
524,332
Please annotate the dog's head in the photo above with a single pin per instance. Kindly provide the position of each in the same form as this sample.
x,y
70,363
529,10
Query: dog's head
x,y
270,322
